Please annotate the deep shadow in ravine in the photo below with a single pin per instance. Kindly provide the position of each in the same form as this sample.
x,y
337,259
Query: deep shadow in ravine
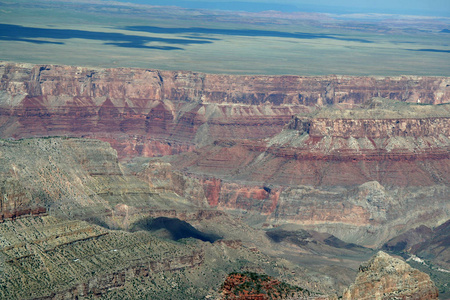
x,y
178,229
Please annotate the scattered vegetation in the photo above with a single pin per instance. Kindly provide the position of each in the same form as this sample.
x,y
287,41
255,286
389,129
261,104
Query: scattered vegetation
x,y
383,108
248,285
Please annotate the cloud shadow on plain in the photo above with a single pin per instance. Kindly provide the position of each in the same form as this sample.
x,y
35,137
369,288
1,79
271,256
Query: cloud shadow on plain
x,y
242,32
429,50
9,32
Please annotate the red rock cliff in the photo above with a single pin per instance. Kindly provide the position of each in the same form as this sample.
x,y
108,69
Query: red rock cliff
x,y
127,83
151,112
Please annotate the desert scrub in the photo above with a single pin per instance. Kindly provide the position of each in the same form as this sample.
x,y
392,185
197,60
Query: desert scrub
x,y
249,284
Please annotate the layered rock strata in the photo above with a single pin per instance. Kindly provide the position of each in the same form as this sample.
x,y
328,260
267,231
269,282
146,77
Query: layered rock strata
x,y
364,175
337,171
333,159
408,147
151,112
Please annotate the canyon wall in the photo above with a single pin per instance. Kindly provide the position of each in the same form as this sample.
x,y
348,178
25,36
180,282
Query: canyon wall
x,y
126,83
373,128
321,151
151,113
353,178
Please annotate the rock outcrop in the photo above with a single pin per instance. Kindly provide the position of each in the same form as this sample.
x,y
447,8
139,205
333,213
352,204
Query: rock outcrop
x,y
151,113
437,247
386,277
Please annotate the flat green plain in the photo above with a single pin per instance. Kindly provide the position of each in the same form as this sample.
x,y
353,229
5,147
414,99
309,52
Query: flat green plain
x,y
84,34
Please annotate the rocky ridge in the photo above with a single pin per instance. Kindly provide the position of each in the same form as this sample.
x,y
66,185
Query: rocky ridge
x,y
386,277
382,277
431,244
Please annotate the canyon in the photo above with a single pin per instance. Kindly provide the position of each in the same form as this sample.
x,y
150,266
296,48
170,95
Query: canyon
x,y
84,236
311,174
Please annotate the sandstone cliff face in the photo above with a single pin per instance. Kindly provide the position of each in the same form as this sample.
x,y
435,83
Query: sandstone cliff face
x,y
374,128
151,112
386,277
123,83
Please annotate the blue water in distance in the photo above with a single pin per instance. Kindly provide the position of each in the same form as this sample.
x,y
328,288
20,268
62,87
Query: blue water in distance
x,y
233,6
